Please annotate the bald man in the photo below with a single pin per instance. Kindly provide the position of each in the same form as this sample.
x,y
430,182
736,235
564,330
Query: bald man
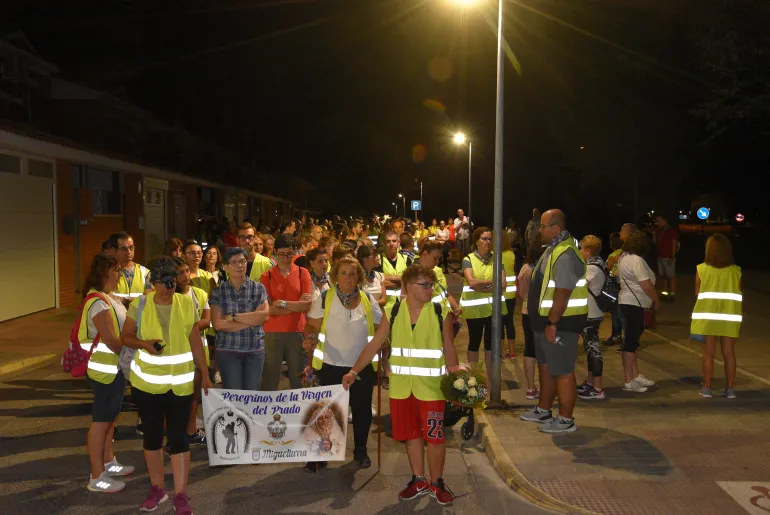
x,y
558,310
316,232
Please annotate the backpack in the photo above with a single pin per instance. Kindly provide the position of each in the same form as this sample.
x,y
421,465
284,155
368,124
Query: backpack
x,y
607,299
75,358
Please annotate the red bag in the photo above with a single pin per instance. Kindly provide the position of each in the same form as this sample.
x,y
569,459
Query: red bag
x,y
649,319
75,359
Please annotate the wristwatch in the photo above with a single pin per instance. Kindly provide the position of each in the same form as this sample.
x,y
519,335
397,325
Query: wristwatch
x,y
548,322
283,304
232,317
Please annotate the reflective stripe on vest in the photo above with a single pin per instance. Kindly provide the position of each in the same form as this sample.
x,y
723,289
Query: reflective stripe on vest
x,y
318,352
578,299
480,303
416,353
175,380
718,308
720,296
101,367
393,293
717,316
417,371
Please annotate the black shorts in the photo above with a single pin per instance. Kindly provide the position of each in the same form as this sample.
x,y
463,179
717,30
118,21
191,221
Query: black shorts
x,y
632,318
108,398
478,328
529,337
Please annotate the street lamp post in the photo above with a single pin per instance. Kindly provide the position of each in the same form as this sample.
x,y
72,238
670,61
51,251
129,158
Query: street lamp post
x,y
459,138
395,208
403,198
421,206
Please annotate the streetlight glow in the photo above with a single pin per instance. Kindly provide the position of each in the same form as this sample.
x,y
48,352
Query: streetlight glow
x,y
400,195
459,138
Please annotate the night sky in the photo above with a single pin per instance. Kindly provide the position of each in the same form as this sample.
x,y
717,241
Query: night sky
x,y
361,97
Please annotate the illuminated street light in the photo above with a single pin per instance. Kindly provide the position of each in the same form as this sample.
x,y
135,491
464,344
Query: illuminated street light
x,y
460,139
403,198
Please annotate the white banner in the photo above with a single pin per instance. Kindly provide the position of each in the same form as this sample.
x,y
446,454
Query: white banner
x,y
246,427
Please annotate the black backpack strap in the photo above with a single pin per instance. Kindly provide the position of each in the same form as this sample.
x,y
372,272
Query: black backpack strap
x,y
394,312
437,308
323,299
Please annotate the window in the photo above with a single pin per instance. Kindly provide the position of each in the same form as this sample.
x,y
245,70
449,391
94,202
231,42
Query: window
x,y
37,168
10,164
105,191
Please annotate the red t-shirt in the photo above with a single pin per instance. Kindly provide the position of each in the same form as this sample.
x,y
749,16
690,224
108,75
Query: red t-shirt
x,y
230,240
289,288
666,239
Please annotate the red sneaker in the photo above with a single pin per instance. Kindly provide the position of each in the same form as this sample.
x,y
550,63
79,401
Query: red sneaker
x,y
441,492
414,489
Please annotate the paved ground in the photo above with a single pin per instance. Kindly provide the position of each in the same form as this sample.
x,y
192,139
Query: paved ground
x,y
44,415
663,451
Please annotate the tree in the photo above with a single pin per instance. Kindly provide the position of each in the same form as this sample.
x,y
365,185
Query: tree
x,y
732,47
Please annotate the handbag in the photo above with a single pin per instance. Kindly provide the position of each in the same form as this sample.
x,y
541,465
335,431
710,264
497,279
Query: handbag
x,y
75,358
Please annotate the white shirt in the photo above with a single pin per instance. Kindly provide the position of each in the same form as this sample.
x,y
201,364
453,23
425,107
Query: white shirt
x,y
632,270
595,278
461,234
346,330
375,287
442,235
97,307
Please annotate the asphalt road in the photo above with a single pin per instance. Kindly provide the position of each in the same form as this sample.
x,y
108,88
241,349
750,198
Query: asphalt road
x,y
44,416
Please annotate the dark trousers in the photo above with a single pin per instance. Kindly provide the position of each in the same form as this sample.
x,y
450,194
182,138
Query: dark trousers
x,y
593,347
508,328
617,324
167,408
360,400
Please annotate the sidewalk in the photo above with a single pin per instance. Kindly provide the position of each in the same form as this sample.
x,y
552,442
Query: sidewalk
x,y
660,452
34,340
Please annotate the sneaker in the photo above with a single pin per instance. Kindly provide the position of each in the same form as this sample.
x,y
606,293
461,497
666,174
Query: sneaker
x,y
414,489
592,394
586,386
199,438
441,492
182,505
559,425
374,411
363,461
156,496
730,393
644,381
217,377
140,429
350,416
105,484
114,468
706,393
533,394
537,415
634,386
612,340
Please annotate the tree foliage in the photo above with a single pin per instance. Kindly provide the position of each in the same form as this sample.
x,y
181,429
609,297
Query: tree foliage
x,y
732,48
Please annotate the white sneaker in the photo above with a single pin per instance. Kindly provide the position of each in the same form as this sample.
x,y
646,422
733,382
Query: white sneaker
x,y
374,411
644,381
350,416
114,468
217,377
105,484
634,386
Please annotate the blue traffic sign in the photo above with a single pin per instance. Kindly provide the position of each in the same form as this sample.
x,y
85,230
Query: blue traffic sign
x,y
416,205
703,213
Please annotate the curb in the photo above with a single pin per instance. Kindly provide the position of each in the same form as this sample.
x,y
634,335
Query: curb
x,y
511,475
21,365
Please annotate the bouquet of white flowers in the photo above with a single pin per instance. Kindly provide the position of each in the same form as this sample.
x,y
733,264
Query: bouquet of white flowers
x,y
467,388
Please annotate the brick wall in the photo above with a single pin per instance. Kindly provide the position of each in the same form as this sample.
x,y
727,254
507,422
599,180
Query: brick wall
x,y
96,229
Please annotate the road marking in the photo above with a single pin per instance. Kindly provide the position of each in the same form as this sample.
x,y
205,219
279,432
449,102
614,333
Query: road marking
x,y
693,351
753,496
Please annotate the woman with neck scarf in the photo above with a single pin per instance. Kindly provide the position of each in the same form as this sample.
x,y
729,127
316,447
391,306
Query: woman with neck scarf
x,y
476,299
340,324
375,280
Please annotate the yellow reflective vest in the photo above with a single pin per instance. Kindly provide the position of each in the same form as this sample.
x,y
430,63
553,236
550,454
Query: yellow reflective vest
x,y
578,299
261,265
103,364
440,291
318,353
136,288
199,301
479,304
719,308
387,269
509,266
174,369
417,356
203,281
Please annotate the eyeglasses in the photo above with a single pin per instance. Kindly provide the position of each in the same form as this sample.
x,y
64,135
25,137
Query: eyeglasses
x,y
248,237
238,264
485,239
128,249
427,286
285,255
193,253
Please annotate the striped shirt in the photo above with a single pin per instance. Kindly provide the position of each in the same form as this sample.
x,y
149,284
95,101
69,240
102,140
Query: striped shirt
x,y
247,299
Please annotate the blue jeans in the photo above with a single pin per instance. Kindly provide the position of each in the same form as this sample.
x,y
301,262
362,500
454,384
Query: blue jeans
x,y
241,370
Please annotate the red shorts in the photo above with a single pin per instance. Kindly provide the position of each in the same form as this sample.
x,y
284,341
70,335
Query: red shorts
x,y
413,419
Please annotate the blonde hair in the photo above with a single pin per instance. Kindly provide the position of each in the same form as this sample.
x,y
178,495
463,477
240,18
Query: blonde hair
x,y
719,251
592,243
348,260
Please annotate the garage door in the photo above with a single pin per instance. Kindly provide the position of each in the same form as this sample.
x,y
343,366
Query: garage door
x,y
27,258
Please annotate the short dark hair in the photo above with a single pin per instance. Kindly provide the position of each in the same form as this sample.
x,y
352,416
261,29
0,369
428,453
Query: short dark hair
x,y
162,269
364,251
430,246
406,240
284,241
188,244
313,254
232,252
106,245
615,241
179,261
416,271
638,243
114,237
